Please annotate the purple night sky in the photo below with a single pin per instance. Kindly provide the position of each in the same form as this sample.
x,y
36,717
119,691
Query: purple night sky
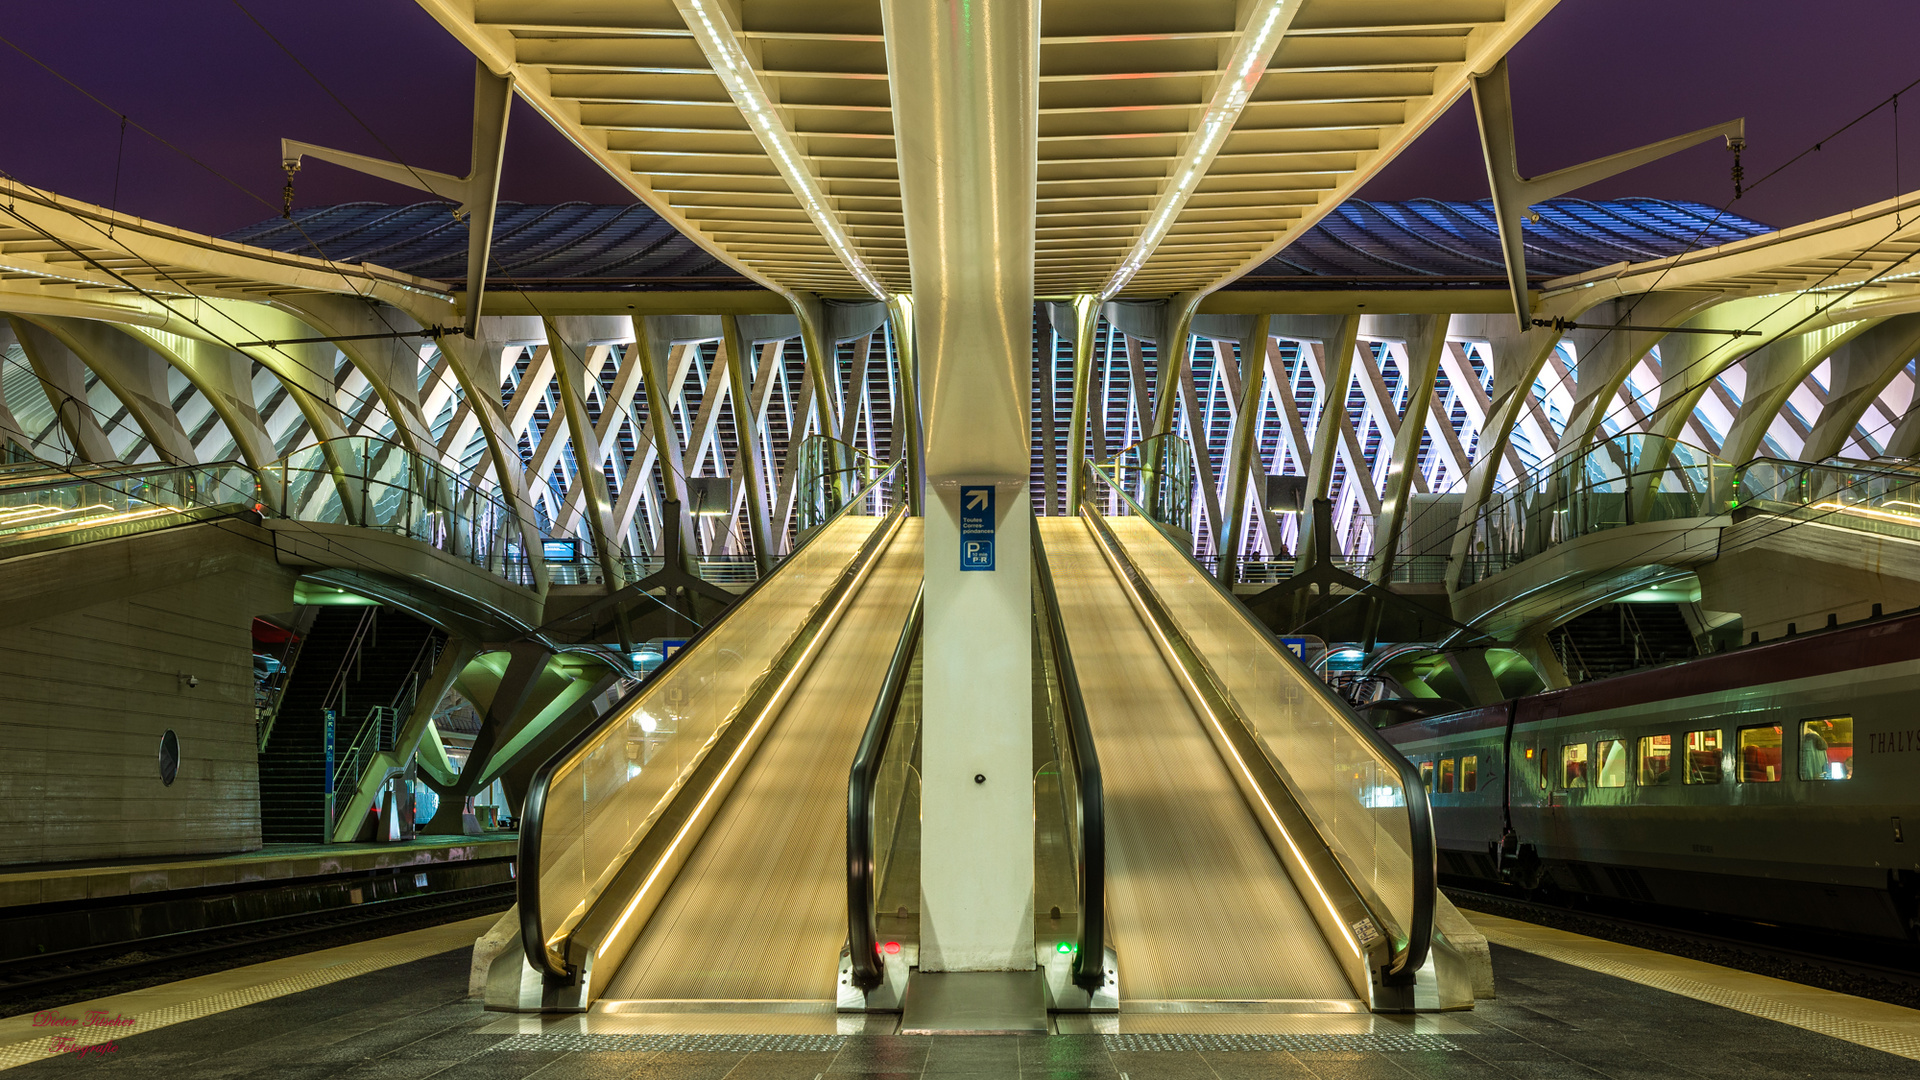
x,y
1597,76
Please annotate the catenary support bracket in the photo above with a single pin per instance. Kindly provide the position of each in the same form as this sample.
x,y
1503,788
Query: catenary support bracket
x,y
477,193
1513,193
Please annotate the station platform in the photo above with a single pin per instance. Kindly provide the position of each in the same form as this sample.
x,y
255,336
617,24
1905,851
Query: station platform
x,y
66,882
397,1007
69,919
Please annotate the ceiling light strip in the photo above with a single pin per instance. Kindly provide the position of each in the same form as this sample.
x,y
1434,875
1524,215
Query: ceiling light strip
x,y
717,39
1251,54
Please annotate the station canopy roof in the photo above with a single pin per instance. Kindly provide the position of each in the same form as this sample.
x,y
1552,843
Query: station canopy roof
x,y
1423,243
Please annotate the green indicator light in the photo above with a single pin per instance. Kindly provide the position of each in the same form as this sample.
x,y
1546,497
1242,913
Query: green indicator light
x,y
1064,947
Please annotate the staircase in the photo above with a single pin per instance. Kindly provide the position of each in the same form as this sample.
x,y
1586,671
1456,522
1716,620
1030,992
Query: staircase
x,y
1617,638
354,659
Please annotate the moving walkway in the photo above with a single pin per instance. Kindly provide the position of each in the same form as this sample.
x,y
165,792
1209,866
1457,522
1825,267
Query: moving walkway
x,y
1263,846
688,847
685,853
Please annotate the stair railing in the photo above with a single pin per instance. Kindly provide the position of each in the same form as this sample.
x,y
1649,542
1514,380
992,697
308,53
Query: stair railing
x,y
264,714
379,732
337,690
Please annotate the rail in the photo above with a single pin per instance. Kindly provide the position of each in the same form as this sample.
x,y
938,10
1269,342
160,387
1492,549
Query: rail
x,y
1870,497
704,701
375,484
1343,778
828,475
1625,480
42,509
863,781
1089,959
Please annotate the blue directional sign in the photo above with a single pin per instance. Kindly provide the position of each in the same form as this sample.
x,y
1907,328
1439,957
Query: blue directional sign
x,y
976,527
329,715
1296,645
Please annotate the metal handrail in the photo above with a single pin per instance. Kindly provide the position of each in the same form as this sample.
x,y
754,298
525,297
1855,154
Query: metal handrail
x,y
1089,961
533,938
863,936
1410,956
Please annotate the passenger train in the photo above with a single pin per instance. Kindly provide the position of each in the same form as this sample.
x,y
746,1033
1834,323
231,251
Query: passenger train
x,y
1775,783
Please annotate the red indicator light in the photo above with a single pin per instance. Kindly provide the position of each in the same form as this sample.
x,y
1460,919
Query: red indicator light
x,y
893,948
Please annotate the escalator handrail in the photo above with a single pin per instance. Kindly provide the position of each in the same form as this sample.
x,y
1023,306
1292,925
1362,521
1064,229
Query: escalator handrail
x,y
533,938
863,937
1089,961
1413,955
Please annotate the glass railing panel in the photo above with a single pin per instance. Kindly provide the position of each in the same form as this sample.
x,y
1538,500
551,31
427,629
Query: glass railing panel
x,y
1343,780
1883,501
119,502
381,485
896,824
602,797
1626,480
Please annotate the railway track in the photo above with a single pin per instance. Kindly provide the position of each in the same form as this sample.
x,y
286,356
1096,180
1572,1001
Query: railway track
x,y
1874,968
39,982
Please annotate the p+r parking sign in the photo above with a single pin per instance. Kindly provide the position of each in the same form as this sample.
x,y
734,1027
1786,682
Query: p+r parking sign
x,y
976,527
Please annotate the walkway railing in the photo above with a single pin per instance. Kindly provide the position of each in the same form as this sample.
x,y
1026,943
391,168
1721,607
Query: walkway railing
x,y
1360,795
726,571
1625,480
1082,789
380,485
830,473
877,784
1880,499
41,509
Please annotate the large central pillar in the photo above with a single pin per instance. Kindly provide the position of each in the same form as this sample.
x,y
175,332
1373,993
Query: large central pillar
x,y
965,85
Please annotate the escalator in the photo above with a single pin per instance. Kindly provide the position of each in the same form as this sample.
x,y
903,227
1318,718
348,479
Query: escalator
x,y
1200,906
759,910
686,852
1265,852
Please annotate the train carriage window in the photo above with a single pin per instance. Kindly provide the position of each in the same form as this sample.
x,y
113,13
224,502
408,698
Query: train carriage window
x,y
1469,772
1656,760
1760,748
1446,776
1573,766
1703,757
1826,748
1426,775
1611,756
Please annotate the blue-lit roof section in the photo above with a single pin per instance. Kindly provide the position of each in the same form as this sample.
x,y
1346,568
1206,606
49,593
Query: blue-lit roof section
x,y
1436,242
569,245
1425,242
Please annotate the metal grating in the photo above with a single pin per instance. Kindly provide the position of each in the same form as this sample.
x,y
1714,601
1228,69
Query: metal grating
x,y
708,1044
1386,1043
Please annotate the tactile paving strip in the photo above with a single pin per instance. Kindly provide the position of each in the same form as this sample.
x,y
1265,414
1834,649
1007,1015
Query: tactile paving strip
x,y
401,952
1864,1033
1387,1043
712,1044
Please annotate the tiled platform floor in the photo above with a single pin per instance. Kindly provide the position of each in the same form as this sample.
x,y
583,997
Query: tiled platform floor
x,y
1552,1021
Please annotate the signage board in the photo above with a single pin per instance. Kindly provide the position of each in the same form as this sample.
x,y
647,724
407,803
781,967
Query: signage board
x,y
1297,646
976,527
329,714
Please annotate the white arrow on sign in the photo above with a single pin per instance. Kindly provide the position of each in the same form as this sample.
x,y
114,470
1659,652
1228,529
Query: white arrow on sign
x,y
976,500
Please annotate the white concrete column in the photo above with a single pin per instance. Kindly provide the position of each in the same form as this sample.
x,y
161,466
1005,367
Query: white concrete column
x,y
965,91
976,809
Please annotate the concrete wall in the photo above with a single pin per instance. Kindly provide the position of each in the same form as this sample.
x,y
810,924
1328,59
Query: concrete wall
x,y
1775,571
94,641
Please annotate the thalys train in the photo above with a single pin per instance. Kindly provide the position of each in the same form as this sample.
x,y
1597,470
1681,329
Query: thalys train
x,y
1776,782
